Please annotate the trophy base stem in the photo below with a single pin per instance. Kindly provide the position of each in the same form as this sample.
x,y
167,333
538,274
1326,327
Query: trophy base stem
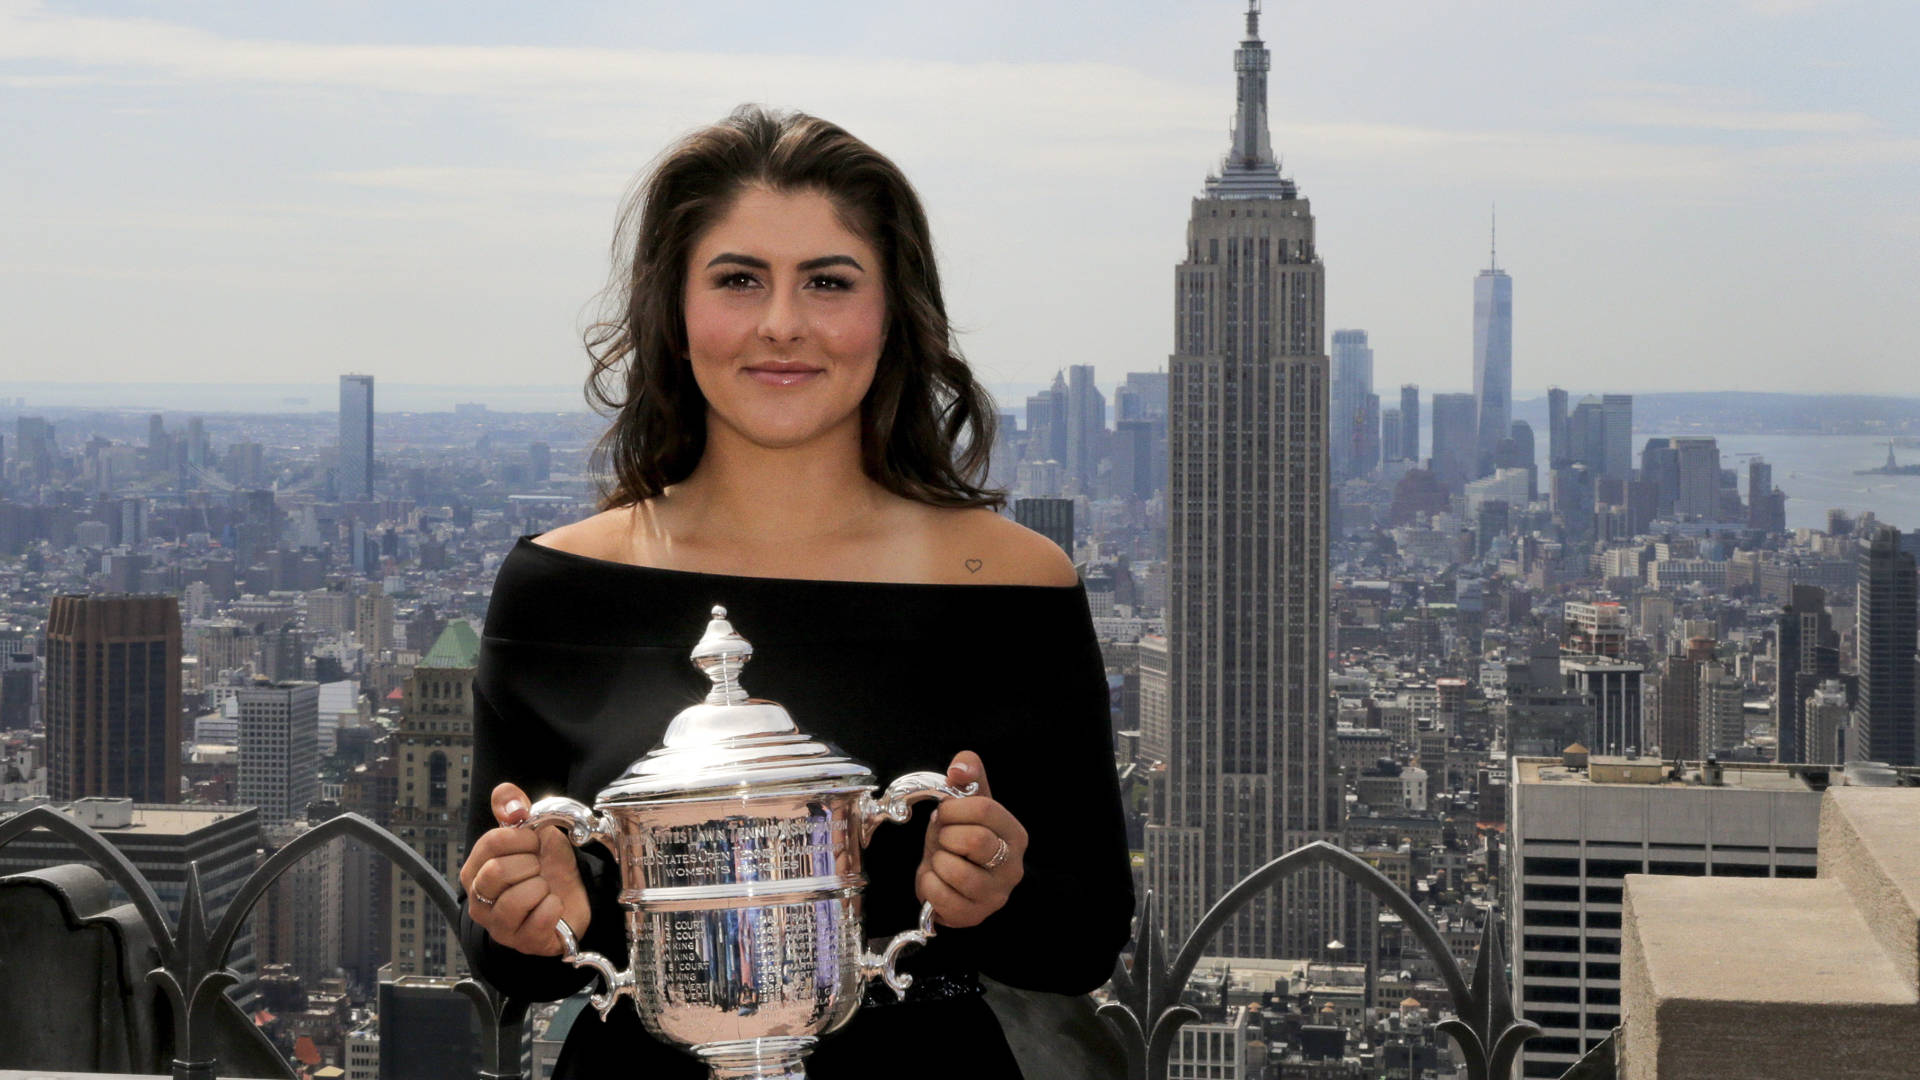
x,y
757,1059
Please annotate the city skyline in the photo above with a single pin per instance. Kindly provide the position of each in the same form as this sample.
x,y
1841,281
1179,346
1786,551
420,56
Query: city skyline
x,y
435,202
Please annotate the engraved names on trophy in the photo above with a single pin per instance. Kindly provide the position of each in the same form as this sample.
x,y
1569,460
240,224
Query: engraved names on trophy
x,y
741,849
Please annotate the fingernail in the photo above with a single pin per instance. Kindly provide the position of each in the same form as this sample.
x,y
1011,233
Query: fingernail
x,y
513,807
963,769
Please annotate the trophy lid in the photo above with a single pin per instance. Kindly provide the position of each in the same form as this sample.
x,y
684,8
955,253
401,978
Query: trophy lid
x,y
731,742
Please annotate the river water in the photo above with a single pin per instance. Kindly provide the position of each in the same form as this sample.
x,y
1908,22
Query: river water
x,y
1817,472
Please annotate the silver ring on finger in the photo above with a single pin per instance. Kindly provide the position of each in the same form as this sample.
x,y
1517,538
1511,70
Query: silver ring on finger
x,y
482,899
999,856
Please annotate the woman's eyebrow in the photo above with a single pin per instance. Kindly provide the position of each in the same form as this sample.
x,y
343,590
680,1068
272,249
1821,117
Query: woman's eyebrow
x,y
832,260
762,264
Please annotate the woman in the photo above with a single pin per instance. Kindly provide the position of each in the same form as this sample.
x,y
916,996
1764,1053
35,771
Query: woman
x,y
794,437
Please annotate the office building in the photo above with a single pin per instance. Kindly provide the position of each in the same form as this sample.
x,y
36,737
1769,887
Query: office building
x,y
1392,430
1600,435
1686,472
112,705
1616,435
1492,359
1804,628
1614,696
434,747
300,921
1347,418
1454,440
279,749
1143,396
1086,426
1410,422
356,438
1051,518
373,620
1559,439
1888,613
1722,709
1596,628
1828,724
1134,474
1047,421
162,841
1578,825
1247,777
34,450
1678,725
429,1030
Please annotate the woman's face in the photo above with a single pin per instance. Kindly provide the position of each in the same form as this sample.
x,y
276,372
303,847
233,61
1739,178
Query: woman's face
x,y
786,315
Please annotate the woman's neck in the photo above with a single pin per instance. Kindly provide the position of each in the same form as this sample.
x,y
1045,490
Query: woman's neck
x,y
745,495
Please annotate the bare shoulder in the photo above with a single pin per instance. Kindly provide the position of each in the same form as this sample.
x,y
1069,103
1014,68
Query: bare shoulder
x,y
980,546
606,535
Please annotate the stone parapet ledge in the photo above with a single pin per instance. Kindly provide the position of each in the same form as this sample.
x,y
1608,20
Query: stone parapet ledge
x,y
1783,978
1870,842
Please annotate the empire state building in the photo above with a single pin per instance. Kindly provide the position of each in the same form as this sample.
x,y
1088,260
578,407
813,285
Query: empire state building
x,y
1245,685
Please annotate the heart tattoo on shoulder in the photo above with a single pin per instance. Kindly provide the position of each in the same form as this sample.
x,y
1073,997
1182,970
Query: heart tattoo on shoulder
x,y
974,565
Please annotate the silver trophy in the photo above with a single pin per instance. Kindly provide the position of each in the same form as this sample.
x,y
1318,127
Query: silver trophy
x,y
739,841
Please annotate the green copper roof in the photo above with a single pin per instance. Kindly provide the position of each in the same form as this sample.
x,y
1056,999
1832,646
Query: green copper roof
x,y
457,647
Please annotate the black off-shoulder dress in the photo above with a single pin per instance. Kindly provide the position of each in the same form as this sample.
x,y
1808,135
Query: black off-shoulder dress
x,y
583,663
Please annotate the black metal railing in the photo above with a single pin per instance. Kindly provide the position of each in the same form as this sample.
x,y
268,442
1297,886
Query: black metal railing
x,y
193,971
1149,1012
1146,1009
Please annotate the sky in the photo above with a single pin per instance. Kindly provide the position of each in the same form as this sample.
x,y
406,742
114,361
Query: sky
x,y
1691,194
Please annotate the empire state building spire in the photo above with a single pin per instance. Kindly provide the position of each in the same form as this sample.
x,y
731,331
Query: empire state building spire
x,y
1250,170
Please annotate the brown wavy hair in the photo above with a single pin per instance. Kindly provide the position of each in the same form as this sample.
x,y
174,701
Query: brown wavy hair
x,y
926,425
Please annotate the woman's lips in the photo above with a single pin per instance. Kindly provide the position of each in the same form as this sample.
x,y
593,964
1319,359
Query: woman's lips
x,y
782,376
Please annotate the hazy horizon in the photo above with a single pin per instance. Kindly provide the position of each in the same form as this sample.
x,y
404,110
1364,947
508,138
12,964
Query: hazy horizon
x,y
1710,196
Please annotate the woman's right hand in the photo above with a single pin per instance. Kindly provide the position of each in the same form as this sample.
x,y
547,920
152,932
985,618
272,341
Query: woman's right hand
x,y
521,882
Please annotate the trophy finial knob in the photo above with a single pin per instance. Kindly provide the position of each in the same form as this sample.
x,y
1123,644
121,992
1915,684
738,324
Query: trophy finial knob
x,y
721,653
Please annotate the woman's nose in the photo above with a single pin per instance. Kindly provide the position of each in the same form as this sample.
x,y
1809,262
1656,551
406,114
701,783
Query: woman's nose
x,y
781,320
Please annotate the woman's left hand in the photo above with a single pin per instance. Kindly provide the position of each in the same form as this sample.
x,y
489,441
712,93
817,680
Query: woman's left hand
x,y
975,852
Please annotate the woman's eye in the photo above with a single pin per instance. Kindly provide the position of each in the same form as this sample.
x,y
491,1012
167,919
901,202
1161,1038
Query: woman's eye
x,y
830,281
739,279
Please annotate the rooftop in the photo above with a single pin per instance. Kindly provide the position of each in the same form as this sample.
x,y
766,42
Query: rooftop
x,y
1651,771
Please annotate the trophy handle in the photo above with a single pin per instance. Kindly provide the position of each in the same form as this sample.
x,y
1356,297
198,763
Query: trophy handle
x,y
882,963
618,982
896,803
582,825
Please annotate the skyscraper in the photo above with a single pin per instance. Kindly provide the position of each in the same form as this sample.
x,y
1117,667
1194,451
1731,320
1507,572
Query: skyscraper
x,y
1454,439
1804,628
1685,471
1051,518
1883,713
1410,422
1247,776
1145,393
356,437
1352,385
279,749
1616,436
1766,505
113,698
1086,423
434,744
1492,359
1559,444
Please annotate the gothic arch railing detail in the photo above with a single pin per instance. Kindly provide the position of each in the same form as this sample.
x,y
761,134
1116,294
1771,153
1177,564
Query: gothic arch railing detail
x,y
1149,1014
193,971
1147,1010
